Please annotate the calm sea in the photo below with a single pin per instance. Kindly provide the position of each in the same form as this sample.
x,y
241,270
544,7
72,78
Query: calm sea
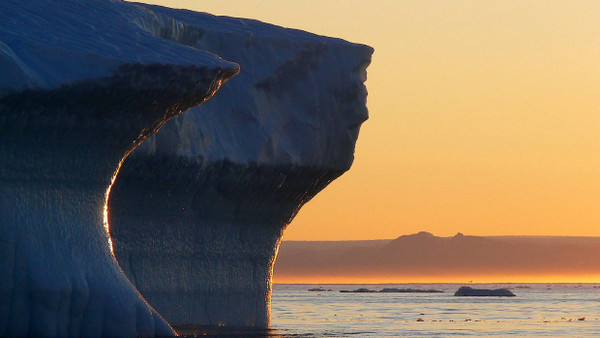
x,y
538,310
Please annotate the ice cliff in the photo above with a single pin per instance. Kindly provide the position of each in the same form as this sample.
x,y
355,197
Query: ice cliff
x,y
82,83
198,210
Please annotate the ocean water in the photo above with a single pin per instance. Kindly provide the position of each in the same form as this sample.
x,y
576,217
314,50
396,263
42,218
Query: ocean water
x,y
538,310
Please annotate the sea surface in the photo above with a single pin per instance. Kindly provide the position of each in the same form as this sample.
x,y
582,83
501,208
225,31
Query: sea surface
x,y
538,310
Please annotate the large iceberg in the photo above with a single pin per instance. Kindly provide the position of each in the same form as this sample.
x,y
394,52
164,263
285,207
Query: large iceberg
x,y
198,210
82,83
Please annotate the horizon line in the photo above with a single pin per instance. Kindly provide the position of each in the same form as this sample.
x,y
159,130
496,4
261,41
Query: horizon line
x,y
389,239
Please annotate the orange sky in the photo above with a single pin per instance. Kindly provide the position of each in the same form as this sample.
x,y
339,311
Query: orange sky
x,y
315,279
485,116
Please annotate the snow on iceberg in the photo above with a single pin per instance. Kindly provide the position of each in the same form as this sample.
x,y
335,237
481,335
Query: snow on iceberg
x,y
82,85
198,210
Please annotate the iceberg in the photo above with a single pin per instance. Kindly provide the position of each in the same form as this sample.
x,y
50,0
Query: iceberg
x,y
198,210
83,83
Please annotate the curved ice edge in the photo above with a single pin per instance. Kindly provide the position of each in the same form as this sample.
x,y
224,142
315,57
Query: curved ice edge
x,y
186,84
60,149
200,245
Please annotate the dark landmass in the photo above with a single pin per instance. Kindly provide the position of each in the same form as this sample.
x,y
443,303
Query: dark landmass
x,y
467,291
424,254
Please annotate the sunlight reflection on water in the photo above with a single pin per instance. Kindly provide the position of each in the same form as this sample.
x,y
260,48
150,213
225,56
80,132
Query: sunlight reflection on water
x,y
537,310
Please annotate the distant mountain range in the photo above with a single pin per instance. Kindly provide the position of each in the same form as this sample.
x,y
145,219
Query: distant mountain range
x,y
425,255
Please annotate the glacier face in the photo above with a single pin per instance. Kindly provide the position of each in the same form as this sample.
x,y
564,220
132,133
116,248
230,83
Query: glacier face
x,y
198,210
84,85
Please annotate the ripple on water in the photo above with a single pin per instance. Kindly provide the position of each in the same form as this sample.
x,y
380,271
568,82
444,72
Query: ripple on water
x,y
535,311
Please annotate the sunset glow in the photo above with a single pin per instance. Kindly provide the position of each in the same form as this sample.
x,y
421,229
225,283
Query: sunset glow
x,y
420,279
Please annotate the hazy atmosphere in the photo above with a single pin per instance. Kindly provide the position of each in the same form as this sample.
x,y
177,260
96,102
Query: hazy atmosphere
x,y
424,257
483,117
